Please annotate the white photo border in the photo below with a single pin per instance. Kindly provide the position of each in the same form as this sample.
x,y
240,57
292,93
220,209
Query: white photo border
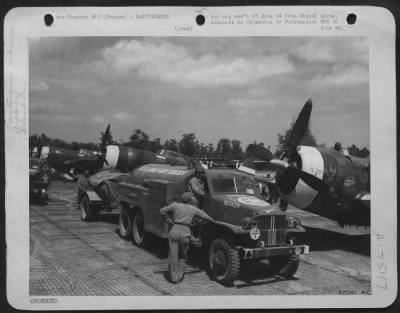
x,y
376,23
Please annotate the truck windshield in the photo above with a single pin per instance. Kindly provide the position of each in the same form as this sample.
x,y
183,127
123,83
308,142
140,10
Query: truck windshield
x,y
233,184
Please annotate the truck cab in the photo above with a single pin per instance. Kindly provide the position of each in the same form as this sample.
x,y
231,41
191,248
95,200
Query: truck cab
x,y
245,227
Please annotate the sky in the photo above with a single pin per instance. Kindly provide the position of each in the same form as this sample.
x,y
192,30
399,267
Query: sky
x,y
244,88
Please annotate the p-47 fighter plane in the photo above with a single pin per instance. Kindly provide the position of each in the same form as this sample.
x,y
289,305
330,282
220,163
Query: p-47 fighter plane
x,y
322,181
125,159
116,157
66,161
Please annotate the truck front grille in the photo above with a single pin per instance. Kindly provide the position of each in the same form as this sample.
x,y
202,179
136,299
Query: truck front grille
x,y
272,228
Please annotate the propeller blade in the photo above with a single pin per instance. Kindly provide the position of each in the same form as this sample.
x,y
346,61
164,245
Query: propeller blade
x,y
299,128
312,181
104,139
259,152
280,163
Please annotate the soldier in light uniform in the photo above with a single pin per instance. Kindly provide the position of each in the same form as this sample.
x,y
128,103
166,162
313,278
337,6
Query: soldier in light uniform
x,y
180,216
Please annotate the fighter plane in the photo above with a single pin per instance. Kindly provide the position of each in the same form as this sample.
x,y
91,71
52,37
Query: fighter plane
x,y
66,161
126,159
121,158
319,180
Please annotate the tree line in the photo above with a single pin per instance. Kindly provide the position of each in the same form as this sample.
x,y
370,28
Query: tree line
x,y
188,145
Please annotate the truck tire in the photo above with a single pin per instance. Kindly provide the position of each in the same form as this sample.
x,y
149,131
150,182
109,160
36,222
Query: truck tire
x,y
125,222
87,211
224,261
285,266
139,235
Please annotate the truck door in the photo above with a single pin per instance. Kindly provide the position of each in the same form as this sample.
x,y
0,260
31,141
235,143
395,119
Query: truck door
x,y
209,205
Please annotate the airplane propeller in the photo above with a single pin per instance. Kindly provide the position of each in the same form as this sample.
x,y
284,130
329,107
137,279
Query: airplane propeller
x,y
103,147
287,180
299,129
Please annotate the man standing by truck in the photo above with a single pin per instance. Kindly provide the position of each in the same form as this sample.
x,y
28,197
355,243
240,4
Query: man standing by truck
x,y
180,216
196,186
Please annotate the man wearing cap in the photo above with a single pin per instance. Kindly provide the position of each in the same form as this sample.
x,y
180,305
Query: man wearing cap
x,y
180,216
83,184
196,185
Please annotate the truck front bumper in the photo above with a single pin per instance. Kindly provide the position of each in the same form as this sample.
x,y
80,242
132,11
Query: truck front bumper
x,y
267,252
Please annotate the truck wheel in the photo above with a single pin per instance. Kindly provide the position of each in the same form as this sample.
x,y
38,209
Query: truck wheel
x,y
224,261
125,222
87,211
139,235
285,266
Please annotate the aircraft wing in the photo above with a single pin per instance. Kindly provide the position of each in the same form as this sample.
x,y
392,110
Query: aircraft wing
x,y
82,163
310,220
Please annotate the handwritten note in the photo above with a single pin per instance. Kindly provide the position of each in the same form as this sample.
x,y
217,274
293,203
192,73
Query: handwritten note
x,y
16,105
380,263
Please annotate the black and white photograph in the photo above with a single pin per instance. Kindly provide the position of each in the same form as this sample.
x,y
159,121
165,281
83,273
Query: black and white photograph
x,y
200,166
154,112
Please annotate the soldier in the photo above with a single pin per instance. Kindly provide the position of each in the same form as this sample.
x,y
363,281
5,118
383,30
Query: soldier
x,y
196,187
83,183
180,216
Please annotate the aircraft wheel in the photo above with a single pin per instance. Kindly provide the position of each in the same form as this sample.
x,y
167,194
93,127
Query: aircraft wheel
x,y
224,261
87,211
285,266
125,222
139,234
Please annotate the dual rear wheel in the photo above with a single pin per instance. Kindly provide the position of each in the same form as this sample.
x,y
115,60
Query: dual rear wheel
x,y
131,225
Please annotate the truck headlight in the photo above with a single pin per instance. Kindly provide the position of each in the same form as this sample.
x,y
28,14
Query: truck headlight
x,y
292,222
249,222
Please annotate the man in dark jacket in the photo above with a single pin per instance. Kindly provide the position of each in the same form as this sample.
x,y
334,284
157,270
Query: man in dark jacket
x,y
180,216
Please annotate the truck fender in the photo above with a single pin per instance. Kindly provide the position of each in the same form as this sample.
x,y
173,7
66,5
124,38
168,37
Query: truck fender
x,y
93,197
235,229
211,231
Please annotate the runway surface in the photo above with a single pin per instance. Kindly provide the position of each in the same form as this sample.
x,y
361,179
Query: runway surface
x,y
72,257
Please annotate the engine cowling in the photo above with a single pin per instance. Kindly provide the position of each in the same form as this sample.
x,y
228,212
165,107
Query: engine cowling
x,y
126,159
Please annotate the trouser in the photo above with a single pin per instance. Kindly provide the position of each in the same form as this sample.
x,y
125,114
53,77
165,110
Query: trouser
x,y
179,241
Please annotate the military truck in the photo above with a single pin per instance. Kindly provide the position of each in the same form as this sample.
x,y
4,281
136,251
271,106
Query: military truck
x,y
245,228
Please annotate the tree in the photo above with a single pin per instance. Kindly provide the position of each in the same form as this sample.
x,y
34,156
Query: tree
x,y
283,140
337,146
171,144
203,150
210,150
187,145
155,145
33,141
44,140
224,147
355,151
237,151
139,139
